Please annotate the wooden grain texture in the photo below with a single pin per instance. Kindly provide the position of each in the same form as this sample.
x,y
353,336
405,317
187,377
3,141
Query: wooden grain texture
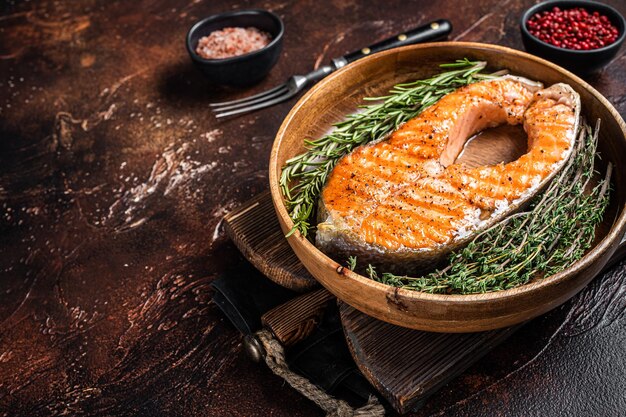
x,y
255,230
407,366
295,320
110,218
340,94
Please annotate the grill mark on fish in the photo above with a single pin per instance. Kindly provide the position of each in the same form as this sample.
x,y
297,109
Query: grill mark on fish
x,y
404,198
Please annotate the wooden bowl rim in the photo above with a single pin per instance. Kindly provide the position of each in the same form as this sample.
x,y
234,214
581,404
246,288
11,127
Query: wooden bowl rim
x,y
604,245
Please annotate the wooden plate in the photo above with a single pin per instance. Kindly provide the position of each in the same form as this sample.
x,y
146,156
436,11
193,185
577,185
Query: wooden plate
x,y
339,94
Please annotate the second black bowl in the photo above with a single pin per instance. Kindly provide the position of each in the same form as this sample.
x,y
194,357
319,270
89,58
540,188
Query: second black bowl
x,y
241,70
579,61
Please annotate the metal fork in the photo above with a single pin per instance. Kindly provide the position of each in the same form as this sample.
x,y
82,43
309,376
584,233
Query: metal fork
x,y
434,30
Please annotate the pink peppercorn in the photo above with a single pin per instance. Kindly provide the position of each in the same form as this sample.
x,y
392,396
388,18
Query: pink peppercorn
x,y
574,28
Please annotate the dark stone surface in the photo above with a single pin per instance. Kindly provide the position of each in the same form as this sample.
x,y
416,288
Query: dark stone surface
x,y
114,177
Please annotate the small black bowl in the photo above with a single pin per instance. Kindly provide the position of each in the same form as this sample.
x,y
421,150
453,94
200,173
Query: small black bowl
x,y
241,70
579,61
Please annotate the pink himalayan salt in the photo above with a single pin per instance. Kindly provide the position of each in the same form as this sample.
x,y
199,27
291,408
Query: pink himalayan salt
x,y
231,41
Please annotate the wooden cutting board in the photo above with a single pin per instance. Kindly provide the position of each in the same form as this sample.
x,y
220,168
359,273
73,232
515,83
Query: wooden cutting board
x,y
384,353
254,228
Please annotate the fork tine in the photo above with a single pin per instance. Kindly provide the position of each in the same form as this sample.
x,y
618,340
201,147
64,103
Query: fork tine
x,y
287,95
244,99
250,102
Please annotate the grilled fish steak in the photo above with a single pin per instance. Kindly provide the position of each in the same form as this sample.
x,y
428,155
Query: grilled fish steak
x,y
403,204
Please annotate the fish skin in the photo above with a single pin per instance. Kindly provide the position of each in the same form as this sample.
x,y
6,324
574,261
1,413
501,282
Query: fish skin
x,y
403,205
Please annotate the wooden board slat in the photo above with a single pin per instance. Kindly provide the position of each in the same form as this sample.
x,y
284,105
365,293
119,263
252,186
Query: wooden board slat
x,y
407,366
296,319
254,228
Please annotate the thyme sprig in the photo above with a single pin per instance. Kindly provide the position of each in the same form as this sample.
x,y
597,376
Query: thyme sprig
x,y
545,239
303,176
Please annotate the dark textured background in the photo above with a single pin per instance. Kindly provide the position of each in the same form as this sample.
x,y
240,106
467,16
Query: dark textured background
x,y
114,177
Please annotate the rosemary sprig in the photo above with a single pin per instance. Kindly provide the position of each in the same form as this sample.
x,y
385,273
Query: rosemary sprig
x,y
303,176
550,236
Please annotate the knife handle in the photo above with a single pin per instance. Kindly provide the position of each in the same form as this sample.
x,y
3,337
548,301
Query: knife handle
x,y
431,31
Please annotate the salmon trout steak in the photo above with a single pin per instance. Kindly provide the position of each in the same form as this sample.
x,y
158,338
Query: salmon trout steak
x,y
403,204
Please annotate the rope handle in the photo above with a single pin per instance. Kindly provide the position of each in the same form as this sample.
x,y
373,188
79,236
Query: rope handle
x,y
274,357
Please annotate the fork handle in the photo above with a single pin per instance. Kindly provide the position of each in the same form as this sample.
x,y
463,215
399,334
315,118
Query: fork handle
x,y
431,31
